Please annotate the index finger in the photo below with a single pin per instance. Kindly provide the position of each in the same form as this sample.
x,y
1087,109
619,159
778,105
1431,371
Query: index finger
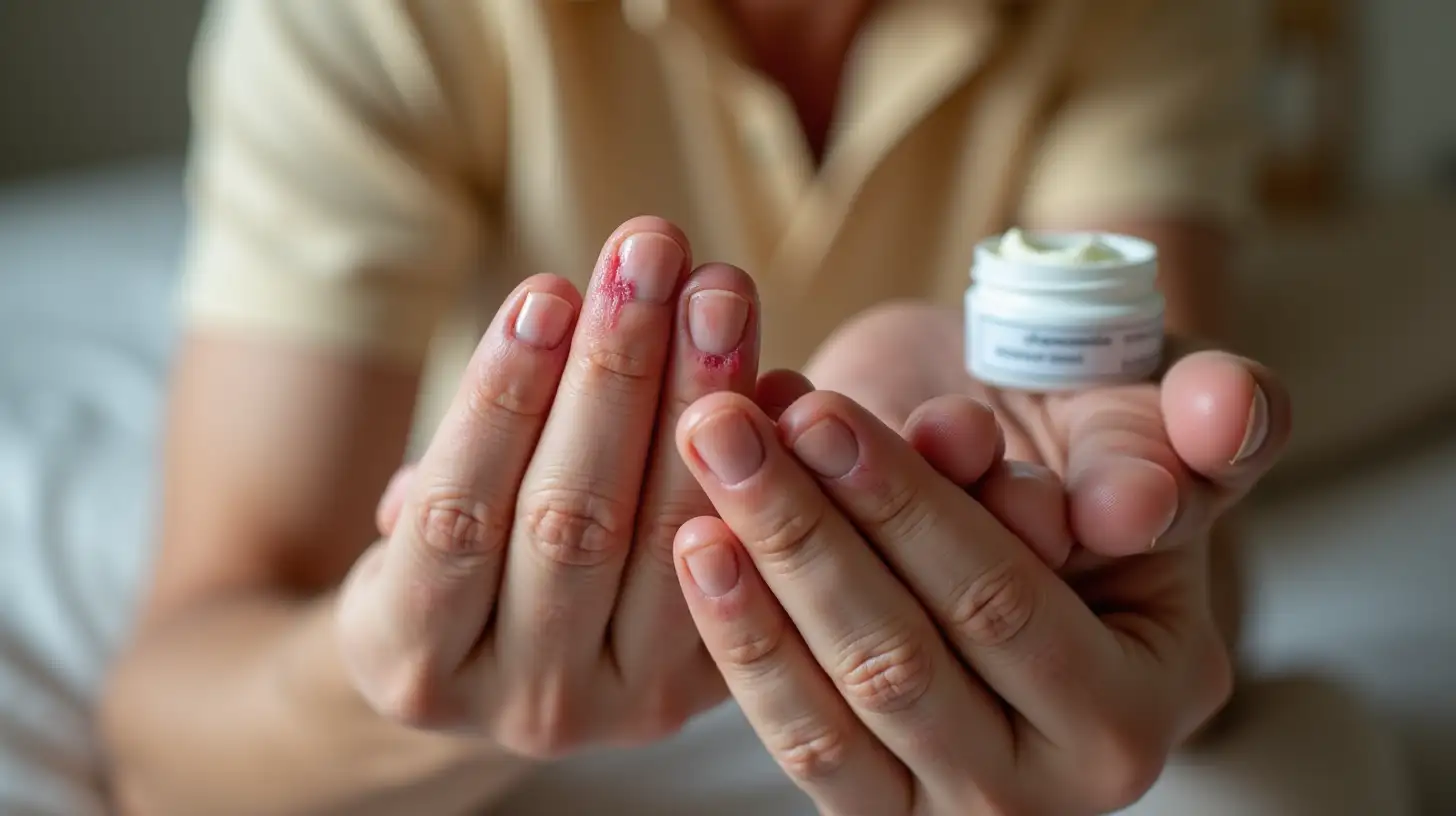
x,y
442,563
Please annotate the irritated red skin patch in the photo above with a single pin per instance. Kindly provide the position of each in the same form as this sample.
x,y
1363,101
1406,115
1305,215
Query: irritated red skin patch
x,y
615,291
727,363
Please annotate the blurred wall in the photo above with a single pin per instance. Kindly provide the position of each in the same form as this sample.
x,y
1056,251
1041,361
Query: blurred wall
x,y
90,81
1409,65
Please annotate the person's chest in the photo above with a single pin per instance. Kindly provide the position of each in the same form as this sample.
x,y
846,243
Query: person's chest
x,y
607,118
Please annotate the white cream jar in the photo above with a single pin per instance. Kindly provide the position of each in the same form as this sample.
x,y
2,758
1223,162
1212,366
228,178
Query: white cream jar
x,y
1060,311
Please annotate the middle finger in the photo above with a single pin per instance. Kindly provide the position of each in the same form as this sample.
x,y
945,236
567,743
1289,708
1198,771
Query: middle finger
x,y
578,500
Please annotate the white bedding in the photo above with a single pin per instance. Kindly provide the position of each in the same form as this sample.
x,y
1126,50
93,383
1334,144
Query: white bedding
x,y
85,272
1352,577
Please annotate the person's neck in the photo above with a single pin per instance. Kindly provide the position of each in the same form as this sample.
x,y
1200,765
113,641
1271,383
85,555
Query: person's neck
x,y
802,45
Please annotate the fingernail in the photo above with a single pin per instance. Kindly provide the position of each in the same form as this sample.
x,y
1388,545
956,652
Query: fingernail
x,y
650,264
1167,525
714,568
1257,428
543,320
828,448
729,446
716,319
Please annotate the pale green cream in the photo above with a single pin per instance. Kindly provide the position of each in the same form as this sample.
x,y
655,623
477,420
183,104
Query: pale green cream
x,y
1089,249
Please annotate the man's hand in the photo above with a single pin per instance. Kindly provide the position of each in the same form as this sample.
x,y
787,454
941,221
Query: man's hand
x,y
524,591
899,650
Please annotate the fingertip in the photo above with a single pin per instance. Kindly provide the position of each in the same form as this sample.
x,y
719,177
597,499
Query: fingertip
x,y
810,408
959,436
552,285
724,437
706,552
1122,505
778,389
706,407
1225,415
541,311
697,533
715,275
646,224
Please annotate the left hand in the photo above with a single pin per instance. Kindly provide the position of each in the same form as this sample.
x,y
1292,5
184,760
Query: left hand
x,y
900,651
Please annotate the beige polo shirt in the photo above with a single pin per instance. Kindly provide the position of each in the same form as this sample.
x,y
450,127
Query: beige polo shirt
x,y
377,174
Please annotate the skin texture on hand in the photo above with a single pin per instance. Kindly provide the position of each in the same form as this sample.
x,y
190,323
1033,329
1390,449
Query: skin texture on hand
x,y
521,592
1078,657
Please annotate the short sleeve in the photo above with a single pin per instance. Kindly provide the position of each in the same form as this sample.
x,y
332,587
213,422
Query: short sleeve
x,y
334,178
1158,119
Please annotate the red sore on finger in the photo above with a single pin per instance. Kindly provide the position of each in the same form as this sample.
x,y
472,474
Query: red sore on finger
x,y
728,363
616,292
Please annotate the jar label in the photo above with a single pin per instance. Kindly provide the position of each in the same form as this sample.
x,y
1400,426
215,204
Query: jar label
x,y
1000,349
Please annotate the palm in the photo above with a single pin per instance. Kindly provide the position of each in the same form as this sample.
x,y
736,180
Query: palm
x,y
1111,503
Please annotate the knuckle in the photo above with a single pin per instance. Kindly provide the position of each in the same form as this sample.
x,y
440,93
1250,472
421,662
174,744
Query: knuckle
x,y
809,751
496,399
992,609
894,505
575,527
459,528
887,672
788,540
754,652
617,367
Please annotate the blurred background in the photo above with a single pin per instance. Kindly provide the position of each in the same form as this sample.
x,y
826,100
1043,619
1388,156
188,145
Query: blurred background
x,y
1349,285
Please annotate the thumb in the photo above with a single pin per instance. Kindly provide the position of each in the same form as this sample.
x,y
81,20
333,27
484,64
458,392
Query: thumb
x,y
1228,418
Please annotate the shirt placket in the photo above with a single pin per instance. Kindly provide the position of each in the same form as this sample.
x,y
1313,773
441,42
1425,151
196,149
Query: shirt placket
x,y
911,58
753,174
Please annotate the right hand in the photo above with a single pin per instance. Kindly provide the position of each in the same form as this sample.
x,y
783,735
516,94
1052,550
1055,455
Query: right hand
x,y
525,590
